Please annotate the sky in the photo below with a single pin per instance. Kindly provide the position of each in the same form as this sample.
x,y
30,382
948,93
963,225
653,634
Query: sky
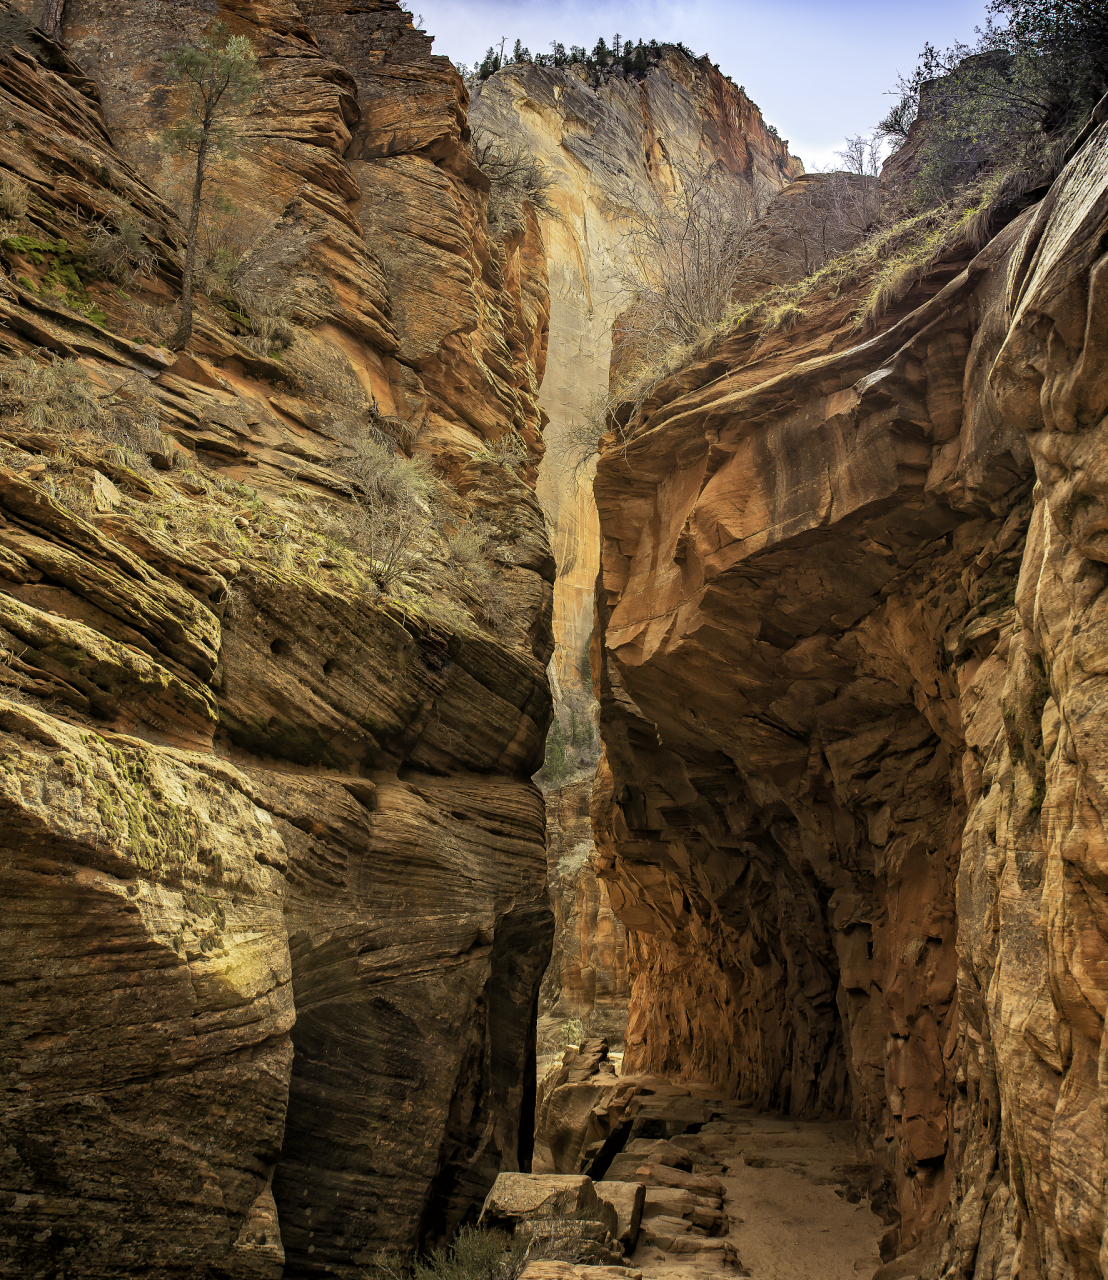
x,y
819,71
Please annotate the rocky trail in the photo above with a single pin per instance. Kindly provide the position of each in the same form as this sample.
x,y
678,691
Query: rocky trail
x,y
693,1185
793,1203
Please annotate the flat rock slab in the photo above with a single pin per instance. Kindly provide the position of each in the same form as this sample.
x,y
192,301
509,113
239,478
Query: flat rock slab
x,y
548,1270
660,1151
529,1197
663,1176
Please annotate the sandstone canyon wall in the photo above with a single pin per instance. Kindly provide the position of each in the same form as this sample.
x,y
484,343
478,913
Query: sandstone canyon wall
x,y
608,145
274,913
851,662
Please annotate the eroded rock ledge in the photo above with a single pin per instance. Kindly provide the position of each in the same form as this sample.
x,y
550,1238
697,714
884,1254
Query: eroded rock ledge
x,y
851,665
272,867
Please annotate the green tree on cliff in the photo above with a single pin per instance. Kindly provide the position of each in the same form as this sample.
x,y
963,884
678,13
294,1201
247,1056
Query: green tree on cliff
x,y
216,81
1008,104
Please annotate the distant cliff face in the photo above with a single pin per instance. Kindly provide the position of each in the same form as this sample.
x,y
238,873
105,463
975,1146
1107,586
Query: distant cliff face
x,y
851,670
608,147
273,870
587,980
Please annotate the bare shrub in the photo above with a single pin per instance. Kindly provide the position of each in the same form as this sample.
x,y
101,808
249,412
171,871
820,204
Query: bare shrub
x,y
510,451
247,261
225,231
469,547
683,255
74,497
393,507
271,332
861,156
259,281
161,320
130,419
54,395
481,1254
516,176
476,1254
388,428
820,218
57,395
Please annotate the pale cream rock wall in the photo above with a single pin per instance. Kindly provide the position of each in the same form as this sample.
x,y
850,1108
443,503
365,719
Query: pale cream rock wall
x,y
605,146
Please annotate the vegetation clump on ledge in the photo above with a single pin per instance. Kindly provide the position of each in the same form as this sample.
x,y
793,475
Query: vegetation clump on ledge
x,y
980,132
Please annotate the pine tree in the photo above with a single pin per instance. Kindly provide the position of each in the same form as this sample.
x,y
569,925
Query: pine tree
x,y
490,64
217,80
556,766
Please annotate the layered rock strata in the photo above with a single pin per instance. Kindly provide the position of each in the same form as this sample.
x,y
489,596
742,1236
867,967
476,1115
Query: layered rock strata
x,y
849,669
273,869
608,146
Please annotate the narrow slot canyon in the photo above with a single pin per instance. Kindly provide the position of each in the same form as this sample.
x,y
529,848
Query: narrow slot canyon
x,y
491,793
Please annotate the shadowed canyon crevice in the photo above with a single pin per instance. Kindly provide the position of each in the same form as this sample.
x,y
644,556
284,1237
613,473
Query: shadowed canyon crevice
x,y
609,147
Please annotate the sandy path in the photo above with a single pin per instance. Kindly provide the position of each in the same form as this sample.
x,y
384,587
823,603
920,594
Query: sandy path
x,y
786,1188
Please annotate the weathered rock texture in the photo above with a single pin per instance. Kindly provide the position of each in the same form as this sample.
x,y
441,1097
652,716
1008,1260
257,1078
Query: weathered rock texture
x,y
587,980
608,147
739,1190
274,914
851,666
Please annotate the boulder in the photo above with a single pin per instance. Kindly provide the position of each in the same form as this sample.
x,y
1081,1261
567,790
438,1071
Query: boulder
x,y
673,1202
578,1240
628,1200
532,1197
659,1151
550,1269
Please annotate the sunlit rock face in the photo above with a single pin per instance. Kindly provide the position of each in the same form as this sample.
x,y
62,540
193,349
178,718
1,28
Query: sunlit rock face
x,y
608,146
848,659
273,869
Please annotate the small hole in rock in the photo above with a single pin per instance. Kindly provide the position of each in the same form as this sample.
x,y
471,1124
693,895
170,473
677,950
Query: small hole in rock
x,y
279,647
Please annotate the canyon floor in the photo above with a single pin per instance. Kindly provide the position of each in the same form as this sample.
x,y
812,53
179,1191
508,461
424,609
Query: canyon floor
x,y
788,1192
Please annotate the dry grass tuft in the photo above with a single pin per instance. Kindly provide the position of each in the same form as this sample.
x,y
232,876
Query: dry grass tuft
x,y
13,197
